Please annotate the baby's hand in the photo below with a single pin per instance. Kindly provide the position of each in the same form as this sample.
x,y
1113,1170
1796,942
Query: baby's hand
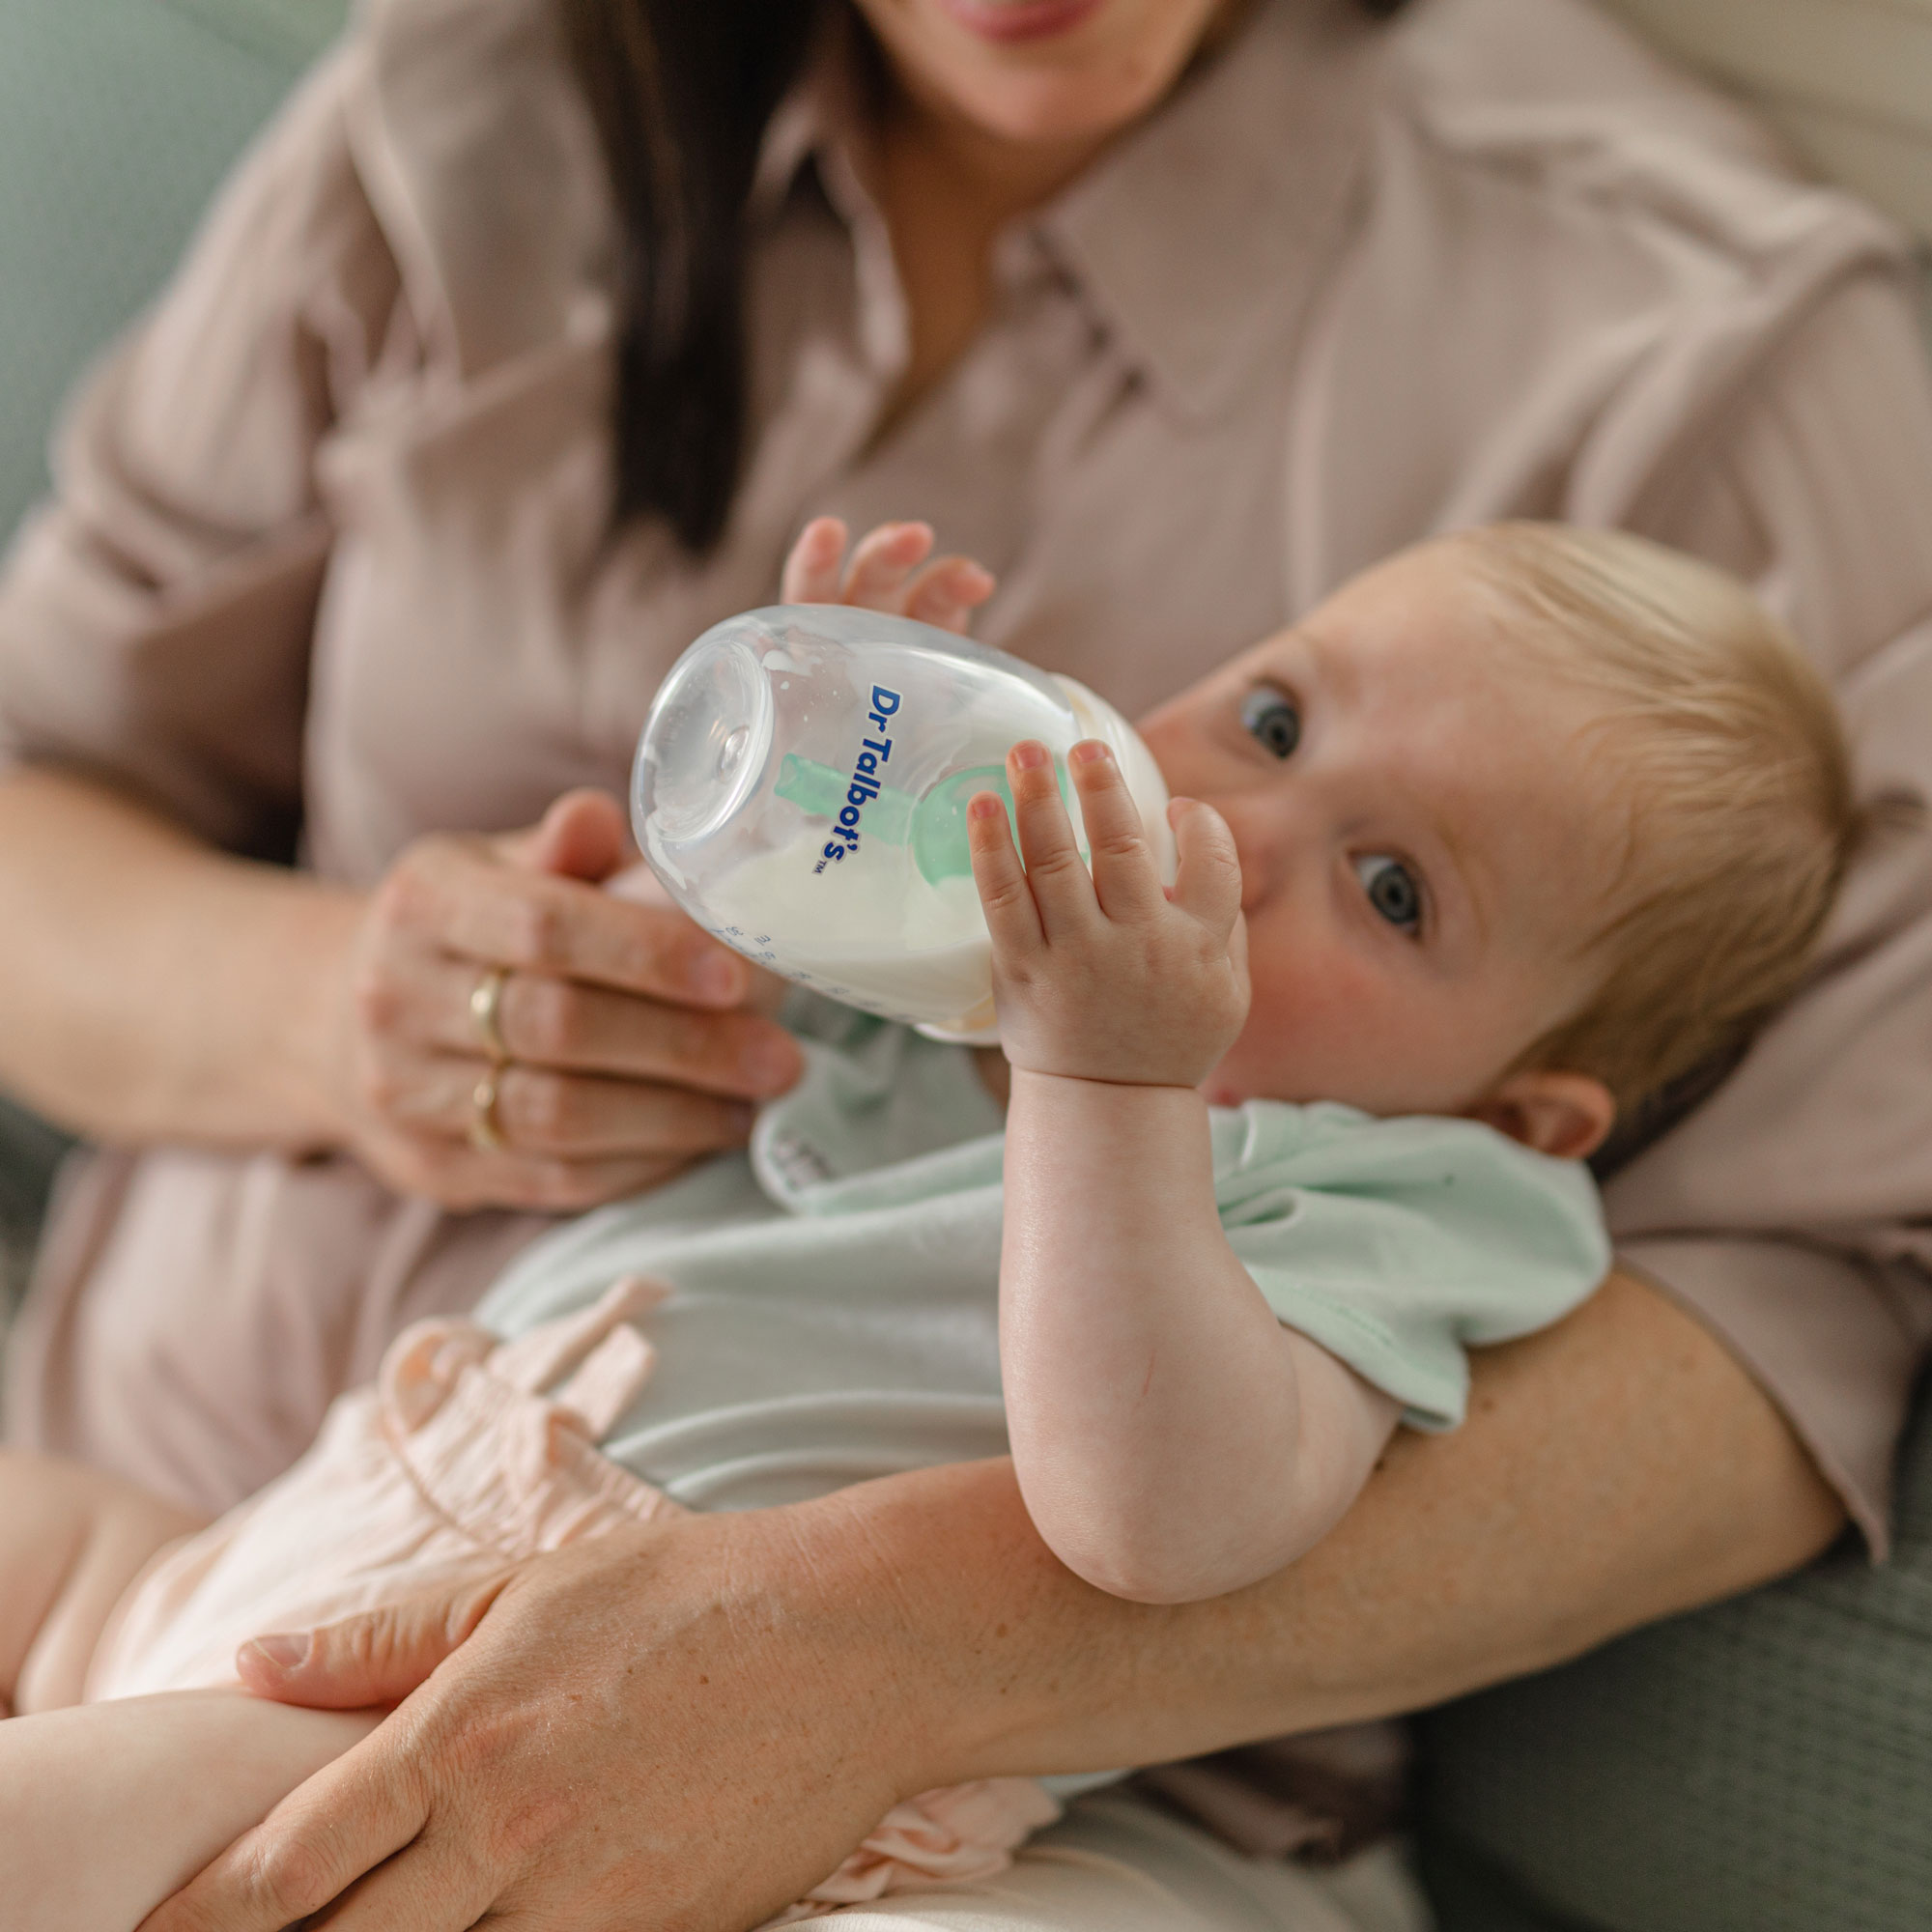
x,y
1109,977
891,568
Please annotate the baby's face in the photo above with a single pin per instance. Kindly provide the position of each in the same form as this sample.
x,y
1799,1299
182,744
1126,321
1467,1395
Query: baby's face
x,y
1422,845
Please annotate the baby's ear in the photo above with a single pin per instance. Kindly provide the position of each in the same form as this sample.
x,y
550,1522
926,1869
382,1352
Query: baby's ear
x,y
1566,1115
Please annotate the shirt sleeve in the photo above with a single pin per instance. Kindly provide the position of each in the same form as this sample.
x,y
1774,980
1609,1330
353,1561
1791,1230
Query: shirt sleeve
x,y
1792,1212
156,616
1399,1245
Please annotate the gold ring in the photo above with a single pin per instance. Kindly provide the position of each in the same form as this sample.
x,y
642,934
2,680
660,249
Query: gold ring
x,y
486,1133
486,1004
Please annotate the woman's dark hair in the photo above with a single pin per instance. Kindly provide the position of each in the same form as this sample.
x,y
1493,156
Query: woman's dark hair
x,y
681,91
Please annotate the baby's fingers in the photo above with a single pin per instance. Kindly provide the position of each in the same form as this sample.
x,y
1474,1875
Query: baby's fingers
x,y
812,570
1208,882
1056,875
946,592
892,569
1005,897
1124,873
882,563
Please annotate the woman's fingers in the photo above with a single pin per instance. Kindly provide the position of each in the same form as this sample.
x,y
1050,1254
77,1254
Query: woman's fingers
x,y
1126,876
520,1037
812,570
378,1658
562,1024
441,1884
345,1820
598,1751
1058,880
1208,883
445,1168
459,897
329,1848
584,835
539,1114
569,1117
360,1662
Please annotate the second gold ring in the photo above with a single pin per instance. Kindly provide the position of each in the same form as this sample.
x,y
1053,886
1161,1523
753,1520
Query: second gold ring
x,y
486,1132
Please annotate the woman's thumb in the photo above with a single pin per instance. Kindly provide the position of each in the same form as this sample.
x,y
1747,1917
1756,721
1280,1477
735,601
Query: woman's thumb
x,y
580,837
378,1658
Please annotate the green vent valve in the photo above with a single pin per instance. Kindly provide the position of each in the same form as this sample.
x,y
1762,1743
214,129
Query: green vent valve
x,y
933,826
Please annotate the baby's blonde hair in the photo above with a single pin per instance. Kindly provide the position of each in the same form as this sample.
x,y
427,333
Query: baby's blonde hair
x,y
1728,747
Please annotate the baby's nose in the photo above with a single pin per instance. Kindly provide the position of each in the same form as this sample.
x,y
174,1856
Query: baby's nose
x,y
1265,842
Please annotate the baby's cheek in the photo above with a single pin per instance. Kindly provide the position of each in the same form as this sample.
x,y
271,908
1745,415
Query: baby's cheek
x,y
1316,1029
1335,1028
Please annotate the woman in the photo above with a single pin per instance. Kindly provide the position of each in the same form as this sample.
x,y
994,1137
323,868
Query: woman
x,y
1174,314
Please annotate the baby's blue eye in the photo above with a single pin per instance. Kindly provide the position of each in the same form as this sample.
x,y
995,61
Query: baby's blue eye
x,y
1391,888
1271,717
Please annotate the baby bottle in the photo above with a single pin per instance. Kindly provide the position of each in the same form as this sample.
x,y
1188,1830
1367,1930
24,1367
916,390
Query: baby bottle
x,y
801,789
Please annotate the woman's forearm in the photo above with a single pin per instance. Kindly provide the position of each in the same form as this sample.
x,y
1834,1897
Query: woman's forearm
x,y
915,1631
176,993
1613,1470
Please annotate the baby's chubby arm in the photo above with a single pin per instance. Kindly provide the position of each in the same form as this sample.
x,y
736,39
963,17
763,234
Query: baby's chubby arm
x,y
1173,1441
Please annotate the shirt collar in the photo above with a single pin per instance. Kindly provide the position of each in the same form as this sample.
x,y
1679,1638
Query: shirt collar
x,y
822,116
1197,241
1200,238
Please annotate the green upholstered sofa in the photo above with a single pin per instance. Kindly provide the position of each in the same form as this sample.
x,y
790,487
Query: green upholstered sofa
x,y
117,119
1765,1766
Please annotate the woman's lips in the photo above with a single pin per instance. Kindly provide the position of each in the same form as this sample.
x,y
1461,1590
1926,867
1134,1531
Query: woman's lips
x,y
1012,20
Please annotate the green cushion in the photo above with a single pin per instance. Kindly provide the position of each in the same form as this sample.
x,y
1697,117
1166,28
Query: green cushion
x,y
1765,1766
118,118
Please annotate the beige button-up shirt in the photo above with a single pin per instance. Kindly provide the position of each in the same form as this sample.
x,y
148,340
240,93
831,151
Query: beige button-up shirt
x,y
330,545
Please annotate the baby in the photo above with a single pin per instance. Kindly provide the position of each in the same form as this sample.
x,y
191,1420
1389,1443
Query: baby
x,y
1514,831
1517,829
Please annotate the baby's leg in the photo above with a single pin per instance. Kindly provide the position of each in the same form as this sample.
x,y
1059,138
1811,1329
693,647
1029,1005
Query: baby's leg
x,y
71,1540
107,1810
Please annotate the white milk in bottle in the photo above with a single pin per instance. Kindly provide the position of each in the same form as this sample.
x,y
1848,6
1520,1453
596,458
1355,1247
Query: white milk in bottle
x,y
801,789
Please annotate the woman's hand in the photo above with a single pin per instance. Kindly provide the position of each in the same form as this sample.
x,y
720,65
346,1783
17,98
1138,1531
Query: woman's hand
x,y
687,1725
513,1034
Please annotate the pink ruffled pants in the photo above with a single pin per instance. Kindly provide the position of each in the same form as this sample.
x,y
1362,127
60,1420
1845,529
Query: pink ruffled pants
x,y
467,1454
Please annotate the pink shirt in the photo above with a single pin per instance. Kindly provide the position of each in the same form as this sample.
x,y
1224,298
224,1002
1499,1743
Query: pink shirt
x,y
329,543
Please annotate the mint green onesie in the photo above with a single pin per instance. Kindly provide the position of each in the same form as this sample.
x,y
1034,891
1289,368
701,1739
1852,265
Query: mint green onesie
x,y
836,1289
